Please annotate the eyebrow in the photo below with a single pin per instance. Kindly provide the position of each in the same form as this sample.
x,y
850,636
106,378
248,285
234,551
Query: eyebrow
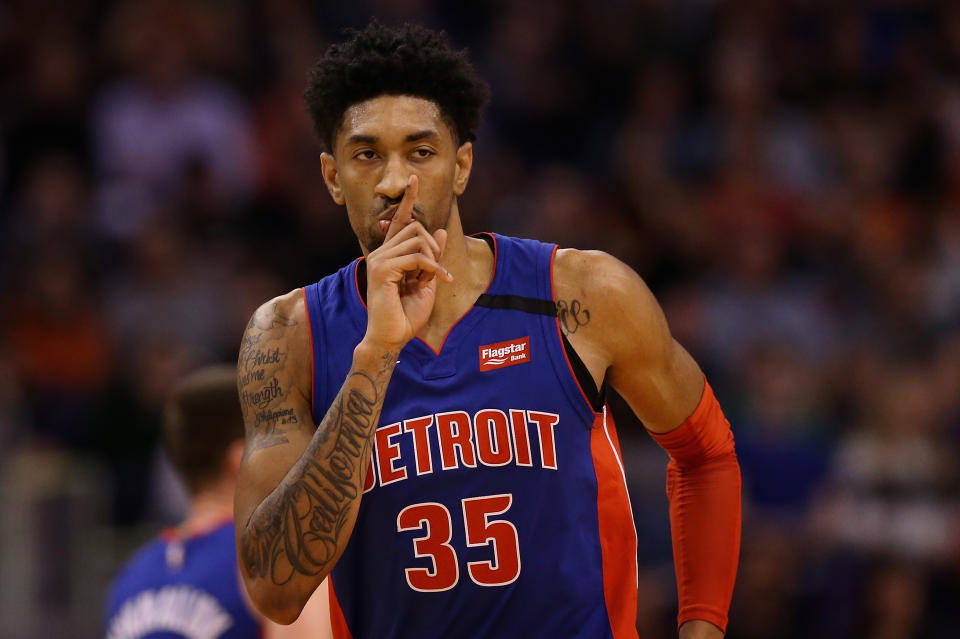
x,y
422,135
359,138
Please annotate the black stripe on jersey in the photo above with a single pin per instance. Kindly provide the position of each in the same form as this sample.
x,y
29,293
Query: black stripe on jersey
x,y
583,376
518,303
548,308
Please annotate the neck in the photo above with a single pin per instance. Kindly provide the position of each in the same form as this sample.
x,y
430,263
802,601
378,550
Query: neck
x,y
208,508
469,260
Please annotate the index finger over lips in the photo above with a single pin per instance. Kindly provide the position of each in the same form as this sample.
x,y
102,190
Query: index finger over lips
x,y
404,214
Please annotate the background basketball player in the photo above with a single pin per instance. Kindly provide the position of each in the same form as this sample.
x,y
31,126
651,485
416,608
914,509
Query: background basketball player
x,y
185,583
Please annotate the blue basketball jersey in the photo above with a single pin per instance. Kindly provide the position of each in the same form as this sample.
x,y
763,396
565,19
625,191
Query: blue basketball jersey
x,y
496,504
181,589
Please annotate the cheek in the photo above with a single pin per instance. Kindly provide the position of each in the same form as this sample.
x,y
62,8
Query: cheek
x,y
438,209
357,197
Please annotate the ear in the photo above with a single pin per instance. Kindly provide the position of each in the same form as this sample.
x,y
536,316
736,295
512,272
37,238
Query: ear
x,y
461,173
331,177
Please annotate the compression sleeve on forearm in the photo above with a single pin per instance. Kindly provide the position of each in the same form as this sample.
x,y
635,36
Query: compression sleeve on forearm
x,y
703,485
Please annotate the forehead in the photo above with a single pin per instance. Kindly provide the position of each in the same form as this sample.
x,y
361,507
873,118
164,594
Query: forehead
x,y
392,118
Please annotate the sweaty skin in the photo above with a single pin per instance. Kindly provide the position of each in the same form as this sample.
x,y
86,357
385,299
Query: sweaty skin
x,y
299,487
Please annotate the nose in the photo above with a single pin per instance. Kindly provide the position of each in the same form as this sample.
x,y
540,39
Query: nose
x,y
393,180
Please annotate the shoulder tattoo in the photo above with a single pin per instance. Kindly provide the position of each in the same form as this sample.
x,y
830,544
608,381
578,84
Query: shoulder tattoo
x,y
572,315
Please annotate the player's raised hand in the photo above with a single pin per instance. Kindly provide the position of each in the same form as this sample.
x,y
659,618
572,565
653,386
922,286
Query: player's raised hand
x,y
402,276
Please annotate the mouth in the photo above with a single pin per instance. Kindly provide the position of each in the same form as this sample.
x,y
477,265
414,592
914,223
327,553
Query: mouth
x,y
384,219
388,213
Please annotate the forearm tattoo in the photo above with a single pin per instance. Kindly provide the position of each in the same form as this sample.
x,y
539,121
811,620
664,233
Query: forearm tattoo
x,y
297,528
572,315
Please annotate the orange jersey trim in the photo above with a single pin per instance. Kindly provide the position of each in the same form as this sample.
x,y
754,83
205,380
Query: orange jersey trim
x,y
338,623
313,391
618,536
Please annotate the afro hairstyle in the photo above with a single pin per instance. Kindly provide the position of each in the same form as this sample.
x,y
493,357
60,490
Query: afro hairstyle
x,y
403,60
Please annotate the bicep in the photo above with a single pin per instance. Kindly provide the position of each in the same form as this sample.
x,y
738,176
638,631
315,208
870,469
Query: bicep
x,y
655,375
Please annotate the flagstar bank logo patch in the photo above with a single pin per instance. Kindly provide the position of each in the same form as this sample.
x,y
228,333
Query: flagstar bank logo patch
x,y
503,354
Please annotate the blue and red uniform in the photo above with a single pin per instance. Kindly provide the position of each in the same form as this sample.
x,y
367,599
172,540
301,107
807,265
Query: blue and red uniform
x,y
186,588
496,504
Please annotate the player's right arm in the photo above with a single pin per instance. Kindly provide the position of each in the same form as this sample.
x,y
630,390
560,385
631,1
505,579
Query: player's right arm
x,y
298,490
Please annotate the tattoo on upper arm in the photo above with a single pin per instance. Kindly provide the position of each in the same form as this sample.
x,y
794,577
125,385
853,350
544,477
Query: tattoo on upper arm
x,y
261,380
297,529
572,315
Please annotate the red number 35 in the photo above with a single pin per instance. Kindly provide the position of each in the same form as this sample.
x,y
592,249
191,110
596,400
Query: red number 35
x,y
437,524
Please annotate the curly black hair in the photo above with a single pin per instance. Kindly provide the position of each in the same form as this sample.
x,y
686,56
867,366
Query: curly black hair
x,y
403,60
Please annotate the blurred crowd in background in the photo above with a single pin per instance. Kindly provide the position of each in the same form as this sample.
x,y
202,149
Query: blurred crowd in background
x,y
785,176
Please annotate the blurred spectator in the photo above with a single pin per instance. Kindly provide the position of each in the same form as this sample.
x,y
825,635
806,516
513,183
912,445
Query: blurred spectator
x,y
50,116
896,600
893,487
768,601
59,346
164,115
782,440
169,293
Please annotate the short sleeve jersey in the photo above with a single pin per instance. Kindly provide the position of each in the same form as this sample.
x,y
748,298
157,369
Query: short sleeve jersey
x,y
181,589
495,504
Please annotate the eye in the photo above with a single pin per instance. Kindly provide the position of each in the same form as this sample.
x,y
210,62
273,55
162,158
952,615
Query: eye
x,y
423,153
366,154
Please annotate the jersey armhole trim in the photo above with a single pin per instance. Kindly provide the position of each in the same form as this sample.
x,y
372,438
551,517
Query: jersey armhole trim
x,y
361,294
313,358
582,373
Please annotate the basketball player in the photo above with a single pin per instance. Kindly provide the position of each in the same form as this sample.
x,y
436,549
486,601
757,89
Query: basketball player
x,y
427,424
185,584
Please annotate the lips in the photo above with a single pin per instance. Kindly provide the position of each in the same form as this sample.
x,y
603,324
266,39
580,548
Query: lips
x,y
389,213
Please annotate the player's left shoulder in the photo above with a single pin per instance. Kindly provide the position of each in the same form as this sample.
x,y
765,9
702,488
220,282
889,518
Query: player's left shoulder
x,y
621,312
600,280
575,266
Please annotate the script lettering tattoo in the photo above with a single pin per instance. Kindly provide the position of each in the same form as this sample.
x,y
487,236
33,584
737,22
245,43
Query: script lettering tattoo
x,y
296,530
263,357
572,315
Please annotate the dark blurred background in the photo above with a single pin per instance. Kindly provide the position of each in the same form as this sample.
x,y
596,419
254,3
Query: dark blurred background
x,y
783,174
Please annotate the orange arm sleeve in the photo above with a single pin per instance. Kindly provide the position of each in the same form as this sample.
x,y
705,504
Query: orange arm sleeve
x,y
703,485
